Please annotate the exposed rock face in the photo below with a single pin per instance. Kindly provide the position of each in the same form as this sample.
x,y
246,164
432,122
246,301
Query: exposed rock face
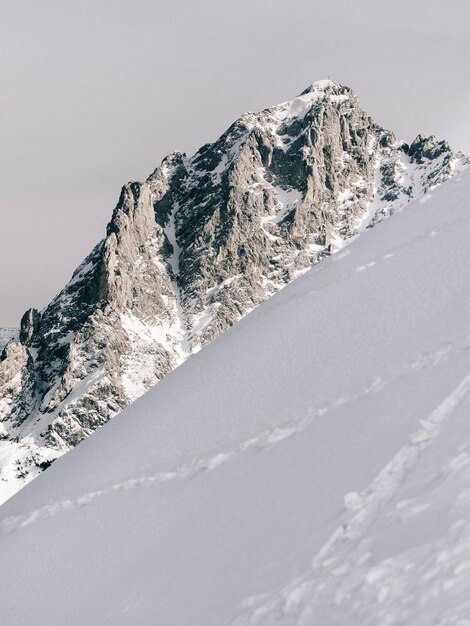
x,y
194,248
15,362
29,325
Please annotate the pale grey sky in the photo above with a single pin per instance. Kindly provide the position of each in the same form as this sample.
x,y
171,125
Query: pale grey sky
x,y
95,93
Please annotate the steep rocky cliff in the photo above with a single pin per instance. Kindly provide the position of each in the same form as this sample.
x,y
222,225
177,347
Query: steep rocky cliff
x,y
191,250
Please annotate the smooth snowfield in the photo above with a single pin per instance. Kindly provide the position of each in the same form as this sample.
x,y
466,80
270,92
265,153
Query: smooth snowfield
x,y
310,467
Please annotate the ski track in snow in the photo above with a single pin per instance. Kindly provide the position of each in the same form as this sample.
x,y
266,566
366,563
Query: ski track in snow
x,y
265,439
339,572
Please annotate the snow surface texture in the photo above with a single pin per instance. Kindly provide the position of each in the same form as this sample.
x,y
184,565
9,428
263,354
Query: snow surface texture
x,y
193,249
311,466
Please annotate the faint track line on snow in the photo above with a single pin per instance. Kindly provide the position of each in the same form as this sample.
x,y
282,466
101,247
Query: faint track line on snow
x,y
340,555
262,440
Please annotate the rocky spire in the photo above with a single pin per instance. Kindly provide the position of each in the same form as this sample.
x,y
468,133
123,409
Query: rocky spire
x,y
29,325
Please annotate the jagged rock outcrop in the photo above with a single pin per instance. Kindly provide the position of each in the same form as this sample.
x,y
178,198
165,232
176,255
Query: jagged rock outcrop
x,y
29,326
195,247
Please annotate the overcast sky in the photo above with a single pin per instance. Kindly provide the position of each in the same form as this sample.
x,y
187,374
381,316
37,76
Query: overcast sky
x,y
95,93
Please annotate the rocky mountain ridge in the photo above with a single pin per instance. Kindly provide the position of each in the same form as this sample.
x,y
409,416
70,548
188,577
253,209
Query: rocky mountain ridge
x,y
188,252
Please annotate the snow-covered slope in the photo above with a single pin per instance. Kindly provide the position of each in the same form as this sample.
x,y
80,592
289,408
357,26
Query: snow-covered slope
x,y
194,248
311,466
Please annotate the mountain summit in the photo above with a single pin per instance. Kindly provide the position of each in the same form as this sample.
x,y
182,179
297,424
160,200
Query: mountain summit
x,y
191,250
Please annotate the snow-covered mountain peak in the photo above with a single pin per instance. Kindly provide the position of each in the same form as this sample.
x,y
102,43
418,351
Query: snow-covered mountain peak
x,y
195,247
278,116
324,86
